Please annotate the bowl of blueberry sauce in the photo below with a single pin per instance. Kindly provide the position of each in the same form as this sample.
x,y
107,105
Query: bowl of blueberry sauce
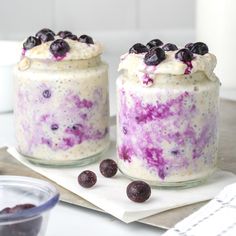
x,y
25,204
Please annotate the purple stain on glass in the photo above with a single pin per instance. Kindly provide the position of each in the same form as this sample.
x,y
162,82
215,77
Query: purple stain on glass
x,y
46,141
47,93
124,130
124,153
154,157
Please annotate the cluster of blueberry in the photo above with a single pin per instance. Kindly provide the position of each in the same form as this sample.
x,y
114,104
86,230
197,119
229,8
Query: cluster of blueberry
x,y
155,51
137,191
59,47
25,228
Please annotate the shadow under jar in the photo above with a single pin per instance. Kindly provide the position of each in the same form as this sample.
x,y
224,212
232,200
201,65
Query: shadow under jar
x,y
61,106
167,120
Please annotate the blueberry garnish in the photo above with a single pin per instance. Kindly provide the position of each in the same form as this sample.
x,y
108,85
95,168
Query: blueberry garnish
x,y
184,55
85,39
59,48
199,48
108,168
54,127
138,48
154,43
47,93
45,35
154,56
72,37
31,42
189,46
44,31
170,47
64,34
24,228
87,179
138,191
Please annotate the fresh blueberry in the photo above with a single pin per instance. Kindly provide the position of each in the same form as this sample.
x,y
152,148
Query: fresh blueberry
x,y
54,127
47,93
85,39
154,43
59,48
64,34
87,179
31,42
138,191
72,37
170,47
138,48
154,56
199,48
45,35
184,55
108,168
189,46
44,31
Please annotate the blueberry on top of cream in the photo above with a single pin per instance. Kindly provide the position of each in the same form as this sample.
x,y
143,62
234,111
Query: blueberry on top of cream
x,y
64,34
199,48
154,56
31,42
184,55
138,48
85,39
189,46
169,47
45,35
59,48
154,43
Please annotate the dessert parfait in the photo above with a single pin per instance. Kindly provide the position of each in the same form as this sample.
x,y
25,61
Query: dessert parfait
x,y
167,119
61,99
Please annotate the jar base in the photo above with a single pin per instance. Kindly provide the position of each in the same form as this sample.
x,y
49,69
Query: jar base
x,y
173,185
69,163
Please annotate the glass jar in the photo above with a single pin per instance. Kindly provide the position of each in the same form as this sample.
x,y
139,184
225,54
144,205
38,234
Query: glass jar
x,y
167,124
61,108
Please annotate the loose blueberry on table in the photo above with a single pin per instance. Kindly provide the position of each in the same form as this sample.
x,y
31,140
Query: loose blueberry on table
x,y
154,56
154,43
26,228
138,191
108,168
138,48
87,179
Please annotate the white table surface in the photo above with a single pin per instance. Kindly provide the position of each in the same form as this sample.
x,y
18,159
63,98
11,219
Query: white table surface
x,y
72,220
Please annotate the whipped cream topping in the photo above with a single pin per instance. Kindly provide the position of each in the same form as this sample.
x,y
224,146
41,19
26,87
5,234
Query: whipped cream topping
x,y
134,65
78,51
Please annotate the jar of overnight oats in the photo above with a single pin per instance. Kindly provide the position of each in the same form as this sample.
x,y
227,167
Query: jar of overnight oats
x,y
61,103
167,118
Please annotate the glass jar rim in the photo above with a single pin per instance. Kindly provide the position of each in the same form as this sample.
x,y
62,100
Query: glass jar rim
x,y
41,185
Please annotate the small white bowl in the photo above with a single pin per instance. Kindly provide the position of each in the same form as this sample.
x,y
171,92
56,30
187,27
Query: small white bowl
x,y
10,55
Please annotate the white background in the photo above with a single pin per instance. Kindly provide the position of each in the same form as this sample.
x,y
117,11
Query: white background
x,y
19,18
